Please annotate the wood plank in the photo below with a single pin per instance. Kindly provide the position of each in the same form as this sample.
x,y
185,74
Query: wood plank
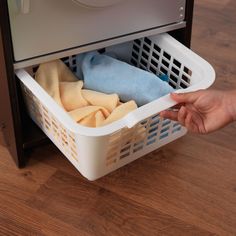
x,y
198,181
224,137
154,182
100,212
21,183
17,218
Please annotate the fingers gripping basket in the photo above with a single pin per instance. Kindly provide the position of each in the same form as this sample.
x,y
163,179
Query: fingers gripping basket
x,y
98,151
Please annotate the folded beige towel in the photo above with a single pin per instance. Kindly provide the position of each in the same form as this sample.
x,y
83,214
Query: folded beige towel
x,y
86,107
120,111
109,101
50,74
71,95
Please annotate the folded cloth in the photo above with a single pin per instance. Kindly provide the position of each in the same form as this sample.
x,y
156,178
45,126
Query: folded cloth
x,y
95,116
108,101
86,107
108,75
71,95
50,74
91,116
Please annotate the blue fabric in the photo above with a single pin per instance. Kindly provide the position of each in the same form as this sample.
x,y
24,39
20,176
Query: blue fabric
x,y
164,77
108,75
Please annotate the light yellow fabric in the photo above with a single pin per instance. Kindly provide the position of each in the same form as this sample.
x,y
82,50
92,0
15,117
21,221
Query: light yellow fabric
x,y
120,111
86,107
109,101
50,74
83,112
71,95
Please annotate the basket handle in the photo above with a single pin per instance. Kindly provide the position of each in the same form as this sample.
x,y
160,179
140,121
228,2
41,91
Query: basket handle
x,y
156,106
148,110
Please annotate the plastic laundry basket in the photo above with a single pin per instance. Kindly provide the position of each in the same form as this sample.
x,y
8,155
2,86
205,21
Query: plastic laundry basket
x,y
98,151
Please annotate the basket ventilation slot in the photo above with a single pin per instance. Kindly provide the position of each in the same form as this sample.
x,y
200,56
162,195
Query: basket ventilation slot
x,y
149,56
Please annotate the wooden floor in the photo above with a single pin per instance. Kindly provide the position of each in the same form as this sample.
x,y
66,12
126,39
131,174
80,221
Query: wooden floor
x,y
186,188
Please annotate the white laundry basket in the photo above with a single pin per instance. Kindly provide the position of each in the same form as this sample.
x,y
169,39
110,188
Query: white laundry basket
x,y
98,151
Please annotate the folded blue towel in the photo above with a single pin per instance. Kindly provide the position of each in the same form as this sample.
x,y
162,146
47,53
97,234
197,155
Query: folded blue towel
x,y
108,75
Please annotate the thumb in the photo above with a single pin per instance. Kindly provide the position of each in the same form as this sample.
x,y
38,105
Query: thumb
x,y
185,97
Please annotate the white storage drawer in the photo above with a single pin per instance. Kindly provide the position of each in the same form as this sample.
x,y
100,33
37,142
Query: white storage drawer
x,y
98,151
41,27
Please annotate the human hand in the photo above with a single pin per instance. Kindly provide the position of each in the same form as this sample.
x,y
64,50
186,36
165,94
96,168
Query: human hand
x,y
203,111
